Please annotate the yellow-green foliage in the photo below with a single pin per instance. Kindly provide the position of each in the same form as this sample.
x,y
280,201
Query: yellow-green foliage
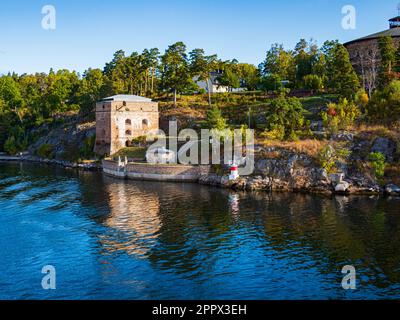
x,y
132,153
378,163
278,133
340,116
385,104
329,156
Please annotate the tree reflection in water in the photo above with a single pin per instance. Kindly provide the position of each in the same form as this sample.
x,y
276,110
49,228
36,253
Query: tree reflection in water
x,y
132,239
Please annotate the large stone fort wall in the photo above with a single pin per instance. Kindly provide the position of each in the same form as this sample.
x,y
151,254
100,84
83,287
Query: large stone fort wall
x,y
156,172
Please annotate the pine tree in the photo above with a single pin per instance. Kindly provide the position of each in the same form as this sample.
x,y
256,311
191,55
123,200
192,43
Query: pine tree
x,y
175,73
342,77
396,67
388,58
215,120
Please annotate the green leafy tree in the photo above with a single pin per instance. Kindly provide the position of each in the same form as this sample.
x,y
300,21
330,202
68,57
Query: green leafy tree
x,y
11,95
61,92
313,82
286,115
175,73
271,83
91,89
201,66
279,62
229,77
249,75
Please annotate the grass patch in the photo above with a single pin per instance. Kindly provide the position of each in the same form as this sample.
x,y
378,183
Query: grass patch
x,y
131,153
309,147
315,104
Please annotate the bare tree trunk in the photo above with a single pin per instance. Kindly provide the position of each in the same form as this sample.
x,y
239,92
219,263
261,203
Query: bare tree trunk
x,y
175,98
152,80
147,79
209,92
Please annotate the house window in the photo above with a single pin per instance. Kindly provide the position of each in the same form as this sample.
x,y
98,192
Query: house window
x,y
145,124
128,132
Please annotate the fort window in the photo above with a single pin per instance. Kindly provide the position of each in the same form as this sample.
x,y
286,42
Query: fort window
x,y
128,122
145,124
128,132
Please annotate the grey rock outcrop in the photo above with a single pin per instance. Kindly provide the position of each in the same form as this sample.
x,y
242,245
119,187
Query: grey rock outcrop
x,y
385,146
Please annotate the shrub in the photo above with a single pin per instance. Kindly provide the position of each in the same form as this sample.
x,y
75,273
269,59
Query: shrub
x,y
362,98
215,119
45,151
340,116
285,116
10,146
88,147
271,83
140,141
313,82
378,163
385,104
278,133
329,156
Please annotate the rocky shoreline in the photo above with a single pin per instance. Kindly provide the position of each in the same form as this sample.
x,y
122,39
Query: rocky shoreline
x,y
291,173
92,166
259,183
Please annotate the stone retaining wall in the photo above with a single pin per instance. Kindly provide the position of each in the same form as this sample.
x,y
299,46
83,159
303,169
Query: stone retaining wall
x,y
156,172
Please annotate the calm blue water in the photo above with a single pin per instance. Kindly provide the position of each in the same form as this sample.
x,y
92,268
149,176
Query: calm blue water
x,y
112,239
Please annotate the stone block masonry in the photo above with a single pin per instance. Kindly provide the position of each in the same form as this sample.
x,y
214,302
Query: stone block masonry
x,y
120,119
156,172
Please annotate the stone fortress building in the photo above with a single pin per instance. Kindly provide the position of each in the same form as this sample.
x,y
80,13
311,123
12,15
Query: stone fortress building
x,y
365,56
120,119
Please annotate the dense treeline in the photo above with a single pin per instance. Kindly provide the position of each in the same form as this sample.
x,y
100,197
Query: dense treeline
x,y
308,67
29,100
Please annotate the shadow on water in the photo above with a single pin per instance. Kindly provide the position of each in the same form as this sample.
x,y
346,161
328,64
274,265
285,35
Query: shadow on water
x,y
216,243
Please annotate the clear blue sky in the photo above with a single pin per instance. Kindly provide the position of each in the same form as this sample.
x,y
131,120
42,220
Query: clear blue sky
x,y
89,32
